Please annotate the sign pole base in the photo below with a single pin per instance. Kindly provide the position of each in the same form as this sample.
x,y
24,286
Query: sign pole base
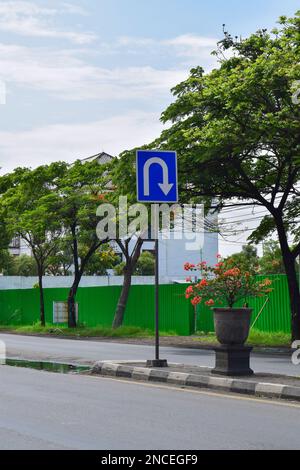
x,y
157,363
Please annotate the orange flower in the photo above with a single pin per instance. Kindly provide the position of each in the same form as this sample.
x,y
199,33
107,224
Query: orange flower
x,y
196,300
219,265
234,272
203,283
210,303
189,290
189,266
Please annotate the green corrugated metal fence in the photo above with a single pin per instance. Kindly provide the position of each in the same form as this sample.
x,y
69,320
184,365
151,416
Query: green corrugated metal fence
x,y
97,306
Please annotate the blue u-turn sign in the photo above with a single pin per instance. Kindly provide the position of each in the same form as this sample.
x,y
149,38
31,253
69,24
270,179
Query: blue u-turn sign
x,y
156,175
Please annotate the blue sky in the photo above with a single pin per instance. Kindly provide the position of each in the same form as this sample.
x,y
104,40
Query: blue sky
x,y
92,75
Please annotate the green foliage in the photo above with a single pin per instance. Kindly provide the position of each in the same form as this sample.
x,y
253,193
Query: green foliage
x,y
29,210
103,259
23,265
236,129
256,338
271,261
247,259
6,261
119,269
79,191
60,262
145,266
81,331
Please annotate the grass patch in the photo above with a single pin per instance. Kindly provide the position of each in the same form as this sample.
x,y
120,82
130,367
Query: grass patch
x,y
85,332
256,338
262,338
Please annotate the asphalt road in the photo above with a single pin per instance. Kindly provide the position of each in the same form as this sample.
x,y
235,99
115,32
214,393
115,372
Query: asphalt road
x,y
41,410
86,351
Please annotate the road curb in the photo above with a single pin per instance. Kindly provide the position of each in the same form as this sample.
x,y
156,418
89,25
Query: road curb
x,y
182,379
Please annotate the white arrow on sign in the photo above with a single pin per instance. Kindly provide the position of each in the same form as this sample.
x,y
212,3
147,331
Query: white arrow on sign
x,y
165,186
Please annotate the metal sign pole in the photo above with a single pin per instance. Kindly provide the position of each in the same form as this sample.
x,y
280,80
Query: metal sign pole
x,y
157,362
156,301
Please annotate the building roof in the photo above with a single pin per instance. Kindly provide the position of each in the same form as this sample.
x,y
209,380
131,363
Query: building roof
x,y
102,158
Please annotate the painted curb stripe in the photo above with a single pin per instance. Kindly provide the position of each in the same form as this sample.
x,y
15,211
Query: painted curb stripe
x,y
177,378
260,389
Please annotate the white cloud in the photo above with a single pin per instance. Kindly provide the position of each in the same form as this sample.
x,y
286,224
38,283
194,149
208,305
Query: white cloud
x,y
73,9
67,76
68,142
24,8
29,19
188,46
64,75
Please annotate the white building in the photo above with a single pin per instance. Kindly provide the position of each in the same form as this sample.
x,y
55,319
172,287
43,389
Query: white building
x,y
102,158
19,247
174,253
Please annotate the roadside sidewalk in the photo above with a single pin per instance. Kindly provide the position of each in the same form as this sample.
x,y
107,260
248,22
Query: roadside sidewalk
x,y
259,385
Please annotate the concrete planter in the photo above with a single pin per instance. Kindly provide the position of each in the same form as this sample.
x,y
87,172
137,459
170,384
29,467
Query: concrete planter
x,y
232,325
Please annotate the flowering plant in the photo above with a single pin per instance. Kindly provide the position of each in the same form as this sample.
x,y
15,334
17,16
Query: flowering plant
x,y
224,282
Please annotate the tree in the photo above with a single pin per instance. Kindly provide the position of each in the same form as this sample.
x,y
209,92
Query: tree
x,y
29,210
247,259
79,192
61,261
145,265
103,259
6,262
237,133
131,255
23,265
271,262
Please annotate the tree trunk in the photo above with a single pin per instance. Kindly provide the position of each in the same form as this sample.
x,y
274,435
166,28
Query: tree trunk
x,y
42,303
131,262
79,270
290,267
120,310
72,321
